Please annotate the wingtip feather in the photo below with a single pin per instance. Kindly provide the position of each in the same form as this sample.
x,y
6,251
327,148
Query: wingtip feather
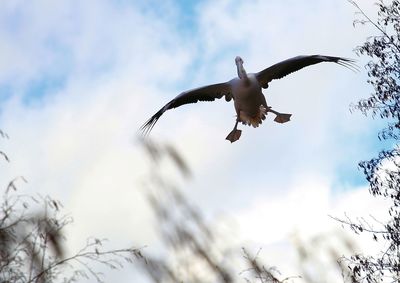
x,y
348,63
146,128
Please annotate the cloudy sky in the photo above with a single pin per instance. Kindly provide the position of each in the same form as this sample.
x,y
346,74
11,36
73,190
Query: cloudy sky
x,y
78,78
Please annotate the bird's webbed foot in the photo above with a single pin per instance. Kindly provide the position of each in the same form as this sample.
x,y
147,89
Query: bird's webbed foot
x,y
282,118
234,135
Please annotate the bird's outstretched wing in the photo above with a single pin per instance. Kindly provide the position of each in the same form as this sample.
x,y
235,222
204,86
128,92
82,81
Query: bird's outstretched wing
x,y
205,93
294,64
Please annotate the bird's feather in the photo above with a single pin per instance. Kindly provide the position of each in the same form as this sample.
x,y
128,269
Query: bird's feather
x,y
205,93
294,64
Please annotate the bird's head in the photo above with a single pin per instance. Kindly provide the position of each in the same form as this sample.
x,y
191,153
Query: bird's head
x,y
238,60
240,70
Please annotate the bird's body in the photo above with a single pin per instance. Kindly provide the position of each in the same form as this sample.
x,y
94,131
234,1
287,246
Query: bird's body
x,y
246,91
248,99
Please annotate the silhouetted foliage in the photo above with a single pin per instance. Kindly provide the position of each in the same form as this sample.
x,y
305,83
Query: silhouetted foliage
x,y
32,244
382,172
4,136
384,67
193,250
189,242
260,272
32,247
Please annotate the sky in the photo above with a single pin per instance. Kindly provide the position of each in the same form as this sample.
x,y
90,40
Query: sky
x,y
78,79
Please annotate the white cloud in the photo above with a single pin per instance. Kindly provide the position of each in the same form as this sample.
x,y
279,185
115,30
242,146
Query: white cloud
x,y
280,224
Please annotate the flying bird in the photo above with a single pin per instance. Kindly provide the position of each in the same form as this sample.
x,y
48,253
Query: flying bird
x,y
246,91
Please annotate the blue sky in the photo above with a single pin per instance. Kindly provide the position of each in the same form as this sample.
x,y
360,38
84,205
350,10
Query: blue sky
x,y
77,79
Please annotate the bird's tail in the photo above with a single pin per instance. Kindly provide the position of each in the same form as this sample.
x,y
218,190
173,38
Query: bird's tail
x,y
256,120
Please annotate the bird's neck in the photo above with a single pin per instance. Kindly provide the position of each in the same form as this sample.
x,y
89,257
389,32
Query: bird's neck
x,y
242,73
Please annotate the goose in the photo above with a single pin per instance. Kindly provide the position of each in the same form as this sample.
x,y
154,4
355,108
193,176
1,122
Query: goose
x,y
246,91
